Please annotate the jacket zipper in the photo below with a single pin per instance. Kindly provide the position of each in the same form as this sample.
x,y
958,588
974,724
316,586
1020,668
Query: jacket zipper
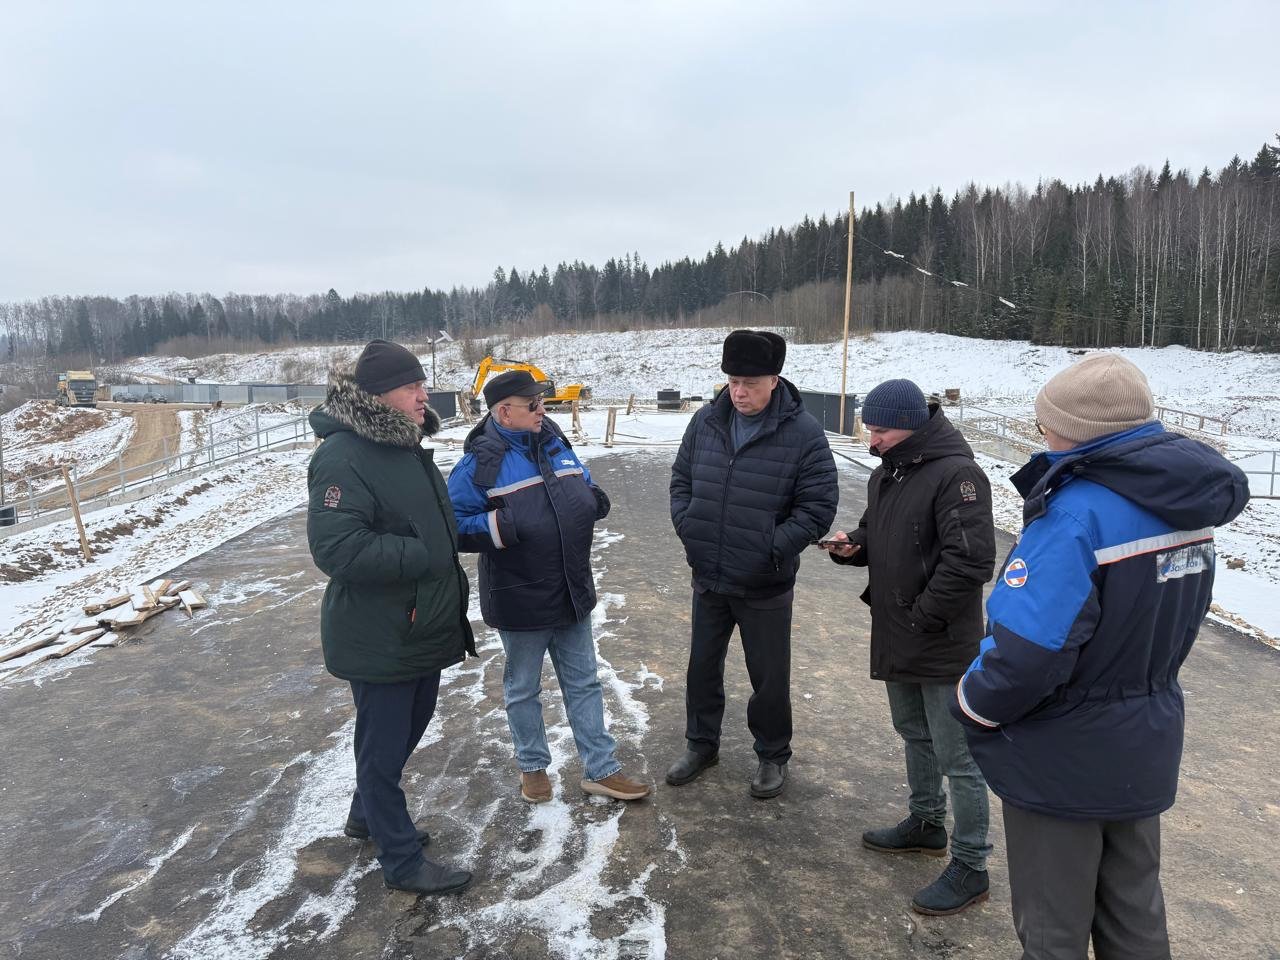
x,y
964,537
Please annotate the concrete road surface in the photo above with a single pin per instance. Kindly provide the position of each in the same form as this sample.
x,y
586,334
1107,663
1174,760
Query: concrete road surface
x,y
183,795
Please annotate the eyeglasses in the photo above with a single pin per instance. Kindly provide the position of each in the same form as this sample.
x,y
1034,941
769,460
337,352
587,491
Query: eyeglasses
x,y
1040,428
532,405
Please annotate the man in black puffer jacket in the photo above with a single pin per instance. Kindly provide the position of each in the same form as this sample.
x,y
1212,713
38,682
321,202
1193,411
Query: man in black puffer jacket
x,y
380,526
753,484
928,541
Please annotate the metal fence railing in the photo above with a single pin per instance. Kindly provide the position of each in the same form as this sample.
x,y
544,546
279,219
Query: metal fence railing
x,y
220,443
1262,464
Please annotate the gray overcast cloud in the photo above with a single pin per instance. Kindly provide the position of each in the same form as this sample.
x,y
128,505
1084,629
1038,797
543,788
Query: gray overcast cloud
x,y
294,146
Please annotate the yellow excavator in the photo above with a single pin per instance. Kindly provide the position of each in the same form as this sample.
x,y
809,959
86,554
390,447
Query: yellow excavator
x,y
566,394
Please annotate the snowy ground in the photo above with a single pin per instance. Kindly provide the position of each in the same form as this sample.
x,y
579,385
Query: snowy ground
x,y
137,542
39,437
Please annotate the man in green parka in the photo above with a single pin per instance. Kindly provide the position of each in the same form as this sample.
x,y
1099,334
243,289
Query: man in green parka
x,y
380,525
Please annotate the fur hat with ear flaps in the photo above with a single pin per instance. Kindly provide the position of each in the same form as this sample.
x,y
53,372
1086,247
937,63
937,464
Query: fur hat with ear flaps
x,y
753,353
368,417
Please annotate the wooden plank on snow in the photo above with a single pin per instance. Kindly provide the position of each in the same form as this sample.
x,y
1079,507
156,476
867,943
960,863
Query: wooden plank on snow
x,y
83,640
93,608
44,640
158,587
108,639
142,598
191,601
177,587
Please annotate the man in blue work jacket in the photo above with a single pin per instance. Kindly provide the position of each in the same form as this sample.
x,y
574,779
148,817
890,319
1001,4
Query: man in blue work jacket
x,y
526,503
1072,707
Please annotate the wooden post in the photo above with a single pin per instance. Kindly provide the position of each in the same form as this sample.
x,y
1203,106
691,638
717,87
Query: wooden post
x,y
631,404
848,308
610,425
75,510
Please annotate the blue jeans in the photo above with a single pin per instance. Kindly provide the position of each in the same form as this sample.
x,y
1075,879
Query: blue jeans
x,y
573,655
936,745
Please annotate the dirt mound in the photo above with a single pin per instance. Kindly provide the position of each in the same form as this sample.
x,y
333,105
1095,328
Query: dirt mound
x,y
43,421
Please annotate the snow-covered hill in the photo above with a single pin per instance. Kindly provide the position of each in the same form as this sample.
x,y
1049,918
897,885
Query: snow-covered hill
x,y
1243,388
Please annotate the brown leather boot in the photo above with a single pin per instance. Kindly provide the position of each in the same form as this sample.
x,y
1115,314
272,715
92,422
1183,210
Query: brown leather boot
x,y
535,786
618,786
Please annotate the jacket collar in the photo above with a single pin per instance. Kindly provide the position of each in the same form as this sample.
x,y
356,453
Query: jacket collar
x,y
347,407
1050,469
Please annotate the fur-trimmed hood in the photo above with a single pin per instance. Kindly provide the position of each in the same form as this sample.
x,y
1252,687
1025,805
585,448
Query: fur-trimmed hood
x,y
347,407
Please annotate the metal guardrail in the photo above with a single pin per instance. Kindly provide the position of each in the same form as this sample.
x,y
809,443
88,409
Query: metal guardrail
x,y
1264,464
217,448
1013,438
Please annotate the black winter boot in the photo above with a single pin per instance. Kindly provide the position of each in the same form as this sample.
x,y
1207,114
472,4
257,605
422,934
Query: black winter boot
x,y
431,877
912,835
689,766
959,887
769,780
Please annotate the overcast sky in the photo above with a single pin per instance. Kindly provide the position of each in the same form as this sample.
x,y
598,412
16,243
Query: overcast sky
x,y
287,146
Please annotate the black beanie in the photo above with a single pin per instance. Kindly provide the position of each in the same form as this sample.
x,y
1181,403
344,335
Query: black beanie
x,y
896,404
384,365
753,353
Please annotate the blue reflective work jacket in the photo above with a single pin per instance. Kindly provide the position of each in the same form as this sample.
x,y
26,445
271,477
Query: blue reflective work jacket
x,y
526,503
1073,707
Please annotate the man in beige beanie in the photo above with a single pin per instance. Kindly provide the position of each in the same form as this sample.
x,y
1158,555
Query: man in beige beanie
x,y
1103,393
1073,708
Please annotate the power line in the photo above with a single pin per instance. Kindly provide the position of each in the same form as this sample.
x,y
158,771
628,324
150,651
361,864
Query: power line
x,y
943,281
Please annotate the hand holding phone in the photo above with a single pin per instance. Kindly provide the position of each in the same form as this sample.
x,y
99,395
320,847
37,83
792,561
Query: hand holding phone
x,y
834,545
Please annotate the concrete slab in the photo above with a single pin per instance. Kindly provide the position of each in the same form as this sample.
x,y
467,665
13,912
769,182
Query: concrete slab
x,y
183,795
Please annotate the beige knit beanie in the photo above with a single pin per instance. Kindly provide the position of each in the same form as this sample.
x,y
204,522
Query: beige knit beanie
x,y
1103,393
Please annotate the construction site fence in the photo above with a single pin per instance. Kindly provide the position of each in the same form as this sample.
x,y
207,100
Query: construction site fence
x,y
445,402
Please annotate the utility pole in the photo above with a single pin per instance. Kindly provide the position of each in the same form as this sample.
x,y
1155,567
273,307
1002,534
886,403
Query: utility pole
x,y
848,307
1,455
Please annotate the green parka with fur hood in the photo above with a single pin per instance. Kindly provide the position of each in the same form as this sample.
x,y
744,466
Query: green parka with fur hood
x,y
380,525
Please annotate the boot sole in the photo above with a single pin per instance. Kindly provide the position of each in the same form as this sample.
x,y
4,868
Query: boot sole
x,y
681,781
766,794
528,799
927,851
928,912
595,790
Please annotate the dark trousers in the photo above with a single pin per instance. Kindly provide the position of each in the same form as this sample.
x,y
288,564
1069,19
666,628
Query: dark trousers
x,y
1072,879
390,720
765,628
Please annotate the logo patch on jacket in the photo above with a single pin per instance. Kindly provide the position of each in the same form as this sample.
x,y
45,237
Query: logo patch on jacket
x,y
333,496
1184,562
1015,574
968,492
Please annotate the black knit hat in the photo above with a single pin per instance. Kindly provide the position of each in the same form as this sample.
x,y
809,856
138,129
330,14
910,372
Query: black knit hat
x,y
514,383
753,353
897,404
384,365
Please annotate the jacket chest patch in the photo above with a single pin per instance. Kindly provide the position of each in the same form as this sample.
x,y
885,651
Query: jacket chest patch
x,y
333,496
968,492
1016,573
